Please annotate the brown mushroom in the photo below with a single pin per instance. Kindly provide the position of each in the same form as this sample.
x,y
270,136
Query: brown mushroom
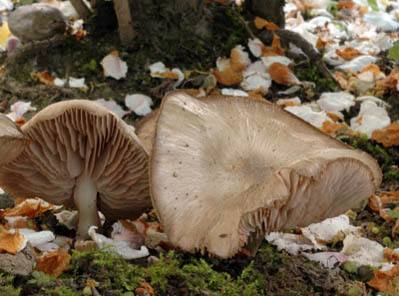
x,y
81,154
12,140
226,169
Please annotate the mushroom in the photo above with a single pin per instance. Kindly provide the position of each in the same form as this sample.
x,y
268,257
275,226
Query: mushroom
x,y
145,130
225,170
12,141
81,154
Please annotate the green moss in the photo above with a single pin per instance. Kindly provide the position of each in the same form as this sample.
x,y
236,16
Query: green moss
x,y
6,285
311,73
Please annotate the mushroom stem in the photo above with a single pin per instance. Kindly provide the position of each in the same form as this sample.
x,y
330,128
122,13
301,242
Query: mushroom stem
x,y
85,198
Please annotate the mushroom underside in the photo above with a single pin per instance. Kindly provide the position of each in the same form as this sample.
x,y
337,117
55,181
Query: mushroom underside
x,y
82,159
234,168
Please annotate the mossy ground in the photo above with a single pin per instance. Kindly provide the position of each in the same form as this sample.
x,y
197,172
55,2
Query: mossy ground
x,y
270,272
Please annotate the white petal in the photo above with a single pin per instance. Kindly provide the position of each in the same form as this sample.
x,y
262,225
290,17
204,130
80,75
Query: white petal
x,y
59,82
370,118
139,103
267,61
327,259
77,82
358,63
113,66
382,20
234,92
123,248
255,47
257,67
257,82
157,68
37,238
292,243
112,106
329,230
336,101
363,251
306,113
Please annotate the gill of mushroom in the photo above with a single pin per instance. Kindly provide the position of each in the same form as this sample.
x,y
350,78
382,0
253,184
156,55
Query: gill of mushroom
x,y
81,154
227,170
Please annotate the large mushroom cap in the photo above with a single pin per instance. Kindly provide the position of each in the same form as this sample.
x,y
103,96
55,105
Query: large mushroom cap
x,y
80,151
226,168
12,140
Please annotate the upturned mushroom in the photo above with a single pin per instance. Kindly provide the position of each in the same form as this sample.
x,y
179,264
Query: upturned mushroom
x,y
81,155
227,169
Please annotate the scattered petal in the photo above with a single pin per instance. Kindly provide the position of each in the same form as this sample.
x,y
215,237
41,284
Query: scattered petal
x,y
123,248
370,118
233,92
329,230
289,102
139,104
19,108
348,53
292,243
336,101
239,59
113,66
327,259
269,60
257,82
357,64
306,113
363,251
255,47
112,106
37,238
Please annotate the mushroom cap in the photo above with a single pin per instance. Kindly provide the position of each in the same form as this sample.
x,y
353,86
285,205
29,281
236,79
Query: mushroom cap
x,y
70,138
12,140
227,168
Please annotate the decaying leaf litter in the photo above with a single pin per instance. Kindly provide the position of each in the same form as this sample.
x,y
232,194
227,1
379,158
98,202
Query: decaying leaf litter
x,y
357,250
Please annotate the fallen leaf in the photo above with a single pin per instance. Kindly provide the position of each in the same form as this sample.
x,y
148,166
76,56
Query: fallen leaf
x,y
332,128
30,208
11,241
386,281
4,34
239,59
388,136
274,49
261,23
54,263
289,102
228,77
391,255
346,4
281,74
348,53
145,289
44,77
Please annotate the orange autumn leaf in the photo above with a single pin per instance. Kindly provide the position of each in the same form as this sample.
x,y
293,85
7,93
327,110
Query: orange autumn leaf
x,y
228,76
145,289
281,74
392,80
348,53
54,263
386,281
261,23
388,136
342,80
346,4
391,255
237,61
274,49
321,43
44,77
30,208
11,242
331,128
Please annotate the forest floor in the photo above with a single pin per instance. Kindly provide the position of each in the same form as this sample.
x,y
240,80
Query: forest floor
x,y
172,272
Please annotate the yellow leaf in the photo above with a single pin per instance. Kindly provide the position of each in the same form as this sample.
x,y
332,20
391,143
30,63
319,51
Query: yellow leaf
x,y
4,34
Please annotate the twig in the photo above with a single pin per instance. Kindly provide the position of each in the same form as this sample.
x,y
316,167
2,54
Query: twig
x,y
125,21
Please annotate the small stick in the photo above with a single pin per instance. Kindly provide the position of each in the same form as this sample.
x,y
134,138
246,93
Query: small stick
x,y
125,21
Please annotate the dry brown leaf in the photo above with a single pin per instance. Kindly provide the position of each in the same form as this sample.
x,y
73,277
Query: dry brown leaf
x,y
261,23
274,49
11,242
281,74
332,128
342,80
348,53
237,62
391,255
386,281
30,208
145,289
44,77
321,43
54,263
346,4
388,136
228,76
391,81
